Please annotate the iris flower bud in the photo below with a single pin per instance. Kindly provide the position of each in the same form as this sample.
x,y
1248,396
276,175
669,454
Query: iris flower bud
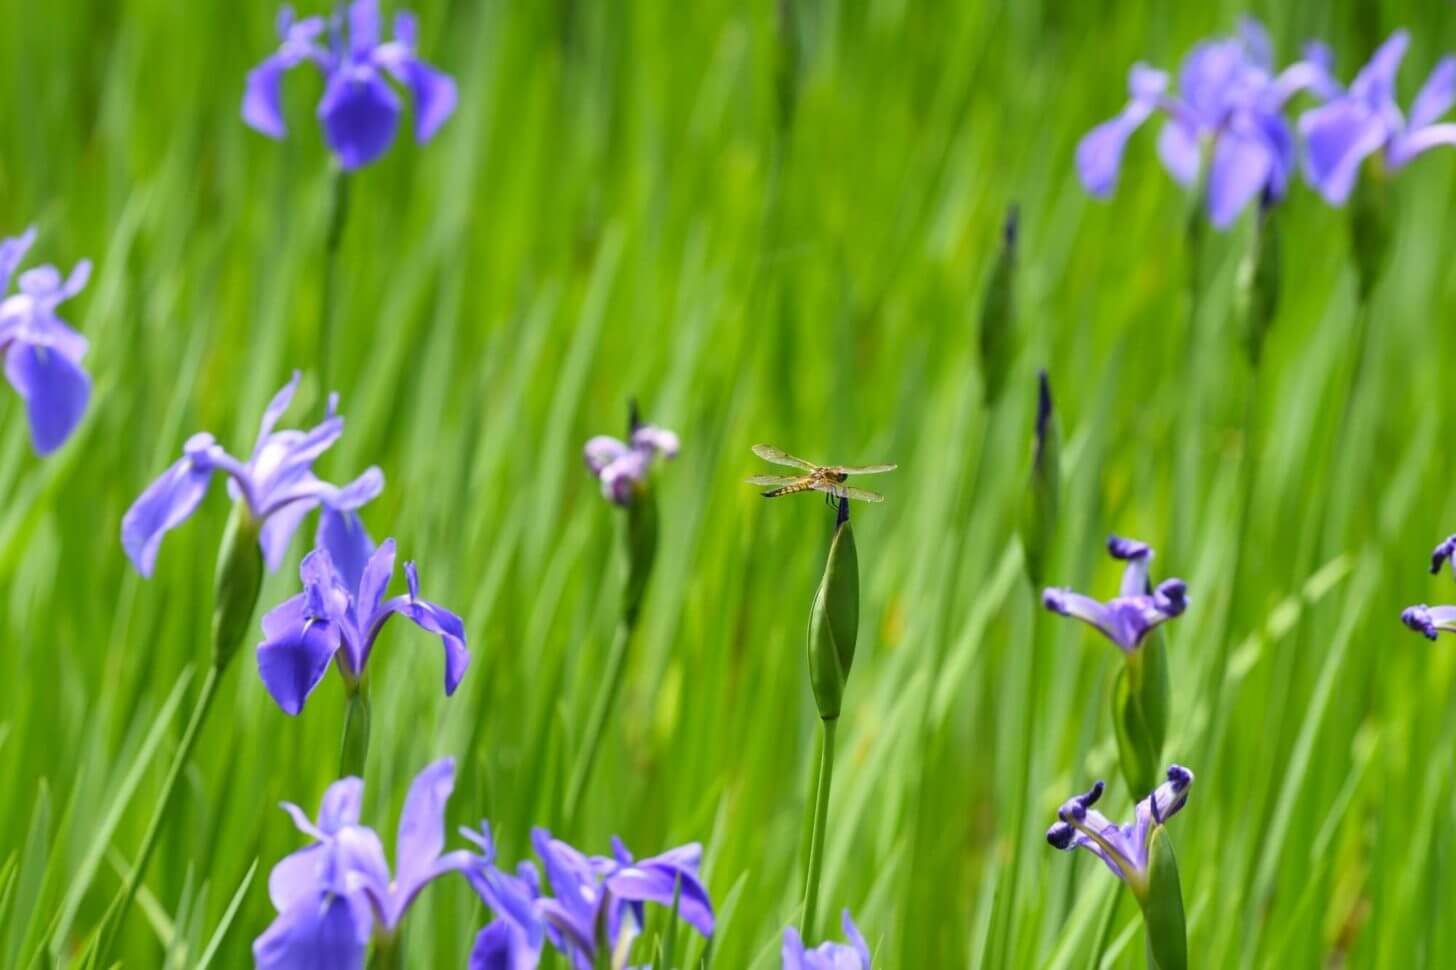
x,y
1039,510
834,619
998,314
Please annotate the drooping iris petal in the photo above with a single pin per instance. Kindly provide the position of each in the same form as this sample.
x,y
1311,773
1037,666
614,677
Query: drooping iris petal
x,y
1436,95
263,97
359,113
319,931
1338,137
1241,167
601,450
296,654
435,619
434,95
166,503
1180,151
55,390
648,883
503,945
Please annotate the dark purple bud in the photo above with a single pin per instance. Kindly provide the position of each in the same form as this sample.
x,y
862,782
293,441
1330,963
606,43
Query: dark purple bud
x,y
1179,777
1125,549
1075,808
1418,618
1443,552
1090,798
842,516
1171,597
1011,228
1053,600
1043,412
634,418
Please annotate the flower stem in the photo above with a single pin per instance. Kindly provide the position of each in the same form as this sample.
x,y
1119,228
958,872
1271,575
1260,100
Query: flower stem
x,y
386,954
338,216
821,824
354,750
159,813
602,707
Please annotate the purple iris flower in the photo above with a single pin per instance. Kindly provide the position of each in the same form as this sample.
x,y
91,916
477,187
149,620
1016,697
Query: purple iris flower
x,y
1228,94
827,956
622,466
512,941
43,354
1124,848
1431,620
595,895
1136,610
359,110
340,614
1357,123
276,485
336,894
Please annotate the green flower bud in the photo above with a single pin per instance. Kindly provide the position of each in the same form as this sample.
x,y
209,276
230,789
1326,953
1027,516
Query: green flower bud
x,y
1039,509
1162,906
998,315
239,578
1140,713
834,619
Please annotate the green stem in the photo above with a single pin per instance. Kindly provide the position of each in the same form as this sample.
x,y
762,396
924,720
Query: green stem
x,y
159,813
338,216
1019,816
387,955
354,750
602,707
821,822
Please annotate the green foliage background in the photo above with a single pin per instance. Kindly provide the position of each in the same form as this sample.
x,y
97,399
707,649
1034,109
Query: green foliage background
x,y
617,209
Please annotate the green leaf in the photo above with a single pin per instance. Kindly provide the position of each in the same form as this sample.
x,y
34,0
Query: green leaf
x,y
1162,908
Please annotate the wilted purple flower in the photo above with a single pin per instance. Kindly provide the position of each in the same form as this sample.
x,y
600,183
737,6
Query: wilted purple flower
x,y
1124,848
593,894
622,466
1431,620
1137,609
42,354
338,616
1228,94
1340,134
336,894
359,110
276,485
827,956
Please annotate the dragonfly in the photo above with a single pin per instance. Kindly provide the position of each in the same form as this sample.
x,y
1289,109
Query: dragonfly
x,y
828,479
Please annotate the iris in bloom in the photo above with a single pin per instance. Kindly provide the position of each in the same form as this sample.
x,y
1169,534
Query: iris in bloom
x,y
359,110
276,485
340,614
1355,124
511,941
1431,620
622,466
1124,848
336,894
827,956
42,354
596,901
1227,94
1137,609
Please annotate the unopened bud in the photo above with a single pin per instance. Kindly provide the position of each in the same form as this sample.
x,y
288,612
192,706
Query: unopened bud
x,y
834,619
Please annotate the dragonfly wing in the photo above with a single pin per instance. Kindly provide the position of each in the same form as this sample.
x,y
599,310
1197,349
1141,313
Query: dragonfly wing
x,y
862,469
772,480
847,491
780,457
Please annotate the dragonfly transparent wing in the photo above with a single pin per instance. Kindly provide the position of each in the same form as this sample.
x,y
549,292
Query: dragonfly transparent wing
x,y
773,479
848,491
780,457
861,469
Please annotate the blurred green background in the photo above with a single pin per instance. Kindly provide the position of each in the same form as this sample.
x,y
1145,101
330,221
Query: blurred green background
x,y
655,199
